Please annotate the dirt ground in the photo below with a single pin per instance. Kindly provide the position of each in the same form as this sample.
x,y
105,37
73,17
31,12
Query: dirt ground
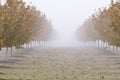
x,y
61,63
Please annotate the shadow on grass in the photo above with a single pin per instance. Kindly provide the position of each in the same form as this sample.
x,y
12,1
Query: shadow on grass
x,y
11,61
7,61
2,79
6,79
2,67
1,73
18,56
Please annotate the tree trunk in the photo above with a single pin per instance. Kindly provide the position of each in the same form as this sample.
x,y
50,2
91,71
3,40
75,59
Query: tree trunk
x,y
6,53
106,45
114,48
11,51
102,44
98,43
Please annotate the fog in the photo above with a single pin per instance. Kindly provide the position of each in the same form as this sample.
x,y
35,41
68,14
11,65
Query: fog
x,y
67,15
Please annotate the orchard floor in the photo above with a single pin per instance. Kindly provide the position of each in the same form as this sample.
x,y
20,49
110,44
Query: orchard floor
x,y
61,63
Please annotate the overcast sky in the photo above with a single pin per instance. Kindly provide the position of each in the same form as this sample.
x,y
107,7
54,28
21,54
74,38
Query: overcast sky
x,y
67,15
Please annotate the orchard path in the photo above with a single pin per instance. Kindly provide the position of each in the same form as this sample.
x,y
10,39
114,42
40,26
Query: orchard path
x,y
62,63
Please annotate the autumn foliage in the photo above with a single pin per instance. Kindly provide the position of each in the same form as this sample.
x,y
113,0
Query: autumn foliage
x,y
103,25
21,23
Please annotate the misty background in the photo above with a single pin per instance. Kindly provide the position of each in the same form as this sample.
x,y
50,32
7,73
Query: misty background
x,y
67,15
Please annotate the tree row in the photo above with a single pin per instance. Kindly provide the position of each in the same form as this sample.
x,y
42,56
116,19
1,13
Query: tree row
x,y
21,23
103,26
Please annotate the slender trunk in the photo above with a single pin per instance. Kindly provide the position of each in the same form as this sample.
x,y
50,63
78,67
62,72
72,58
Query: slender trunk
x,y
106,45
102,44
11,51
6,53
109,47
98,43
38,43
113,48
93,43
27,45
116,49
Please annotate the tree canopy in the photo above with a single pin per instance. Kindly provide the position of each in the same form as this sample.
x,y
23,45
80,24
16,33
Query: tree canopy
x,y
103,25
21,23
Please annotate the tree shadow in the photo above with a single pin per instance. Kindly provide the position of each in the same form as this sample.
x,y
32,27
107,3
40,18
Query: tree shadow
x,y
2,79
7,67
7,61
5,79
18,56
1,73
